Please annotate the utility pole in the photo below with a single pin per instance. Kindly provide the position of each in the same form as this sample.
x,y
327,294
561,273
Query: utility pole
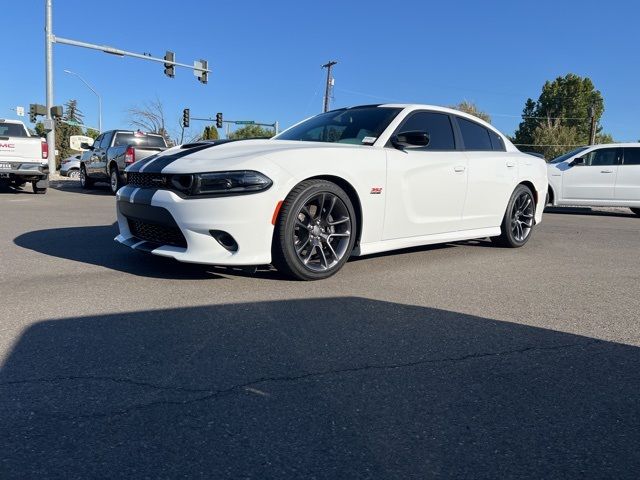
x,y
48,46
329,86
592,131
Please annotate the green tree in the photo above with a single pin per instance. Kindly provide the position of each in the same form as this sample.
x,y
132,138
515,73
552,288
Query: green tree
x,y
210,133
472,109
252,131
90,132
64,130
39,128
563,110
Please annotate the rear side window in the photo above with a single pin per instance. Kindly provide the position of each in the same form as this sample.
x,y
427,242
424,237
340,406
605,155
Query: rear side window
x,y
632,156
12,130
475,136
496,142
437,125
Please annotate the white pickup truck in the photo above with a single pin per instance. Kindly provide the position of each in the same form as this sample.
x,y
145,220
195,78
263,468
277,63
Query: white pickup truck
x,y
23,158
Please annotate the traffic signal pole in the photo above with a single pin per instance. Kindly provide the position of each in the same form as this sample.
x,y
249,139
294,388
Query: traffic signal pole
x,y
199,67
51,134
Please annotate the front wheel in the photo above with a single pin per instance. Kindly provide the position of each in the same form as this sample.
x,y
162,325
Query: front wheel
x,y
85,181
315,232
636,211
518,220
74,174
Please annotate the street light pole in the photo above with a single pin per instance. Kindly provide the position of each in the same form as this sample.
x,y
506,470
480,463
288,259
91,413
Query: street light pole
x,y
97,95
48,36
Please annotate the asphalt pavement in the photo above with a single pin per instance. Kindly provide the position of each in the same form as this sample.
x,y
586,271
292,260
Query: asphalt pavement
x,y
453,361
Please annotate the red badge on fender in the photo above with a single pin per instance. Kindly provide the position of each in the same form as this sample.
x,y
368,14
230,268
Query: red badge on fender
x,y
376,190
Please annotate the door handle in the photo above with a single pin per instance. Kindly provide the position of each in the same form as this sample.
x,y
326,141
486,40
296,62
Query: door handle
x,y
459,168
606,171
511,164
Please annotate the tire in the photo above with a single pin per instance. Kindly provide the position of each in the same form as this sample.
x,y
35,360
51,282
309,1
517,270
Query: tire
x,y
74,174
519,219
635,210
37,190
115,181
315,231
85,181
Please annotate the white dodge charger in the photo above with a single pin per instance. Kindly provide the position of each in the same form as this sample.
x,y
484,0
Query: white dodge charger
x,y
353,181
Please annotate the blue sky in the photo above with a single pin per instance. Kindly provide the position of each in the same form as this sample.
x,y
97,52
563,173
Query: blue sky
x,y
266,56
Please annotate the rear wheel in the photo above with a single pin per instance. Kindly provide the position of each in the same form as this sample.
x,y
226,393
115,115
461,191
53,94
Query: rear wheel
x,y
85,181
37,190
518,220
315,231
114,180
636,211
74,174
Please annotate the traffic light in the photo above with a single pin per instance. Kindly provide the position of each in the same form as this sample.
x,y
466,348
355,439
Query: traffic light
x,y
204,75
33,113
218,120
56,111
185,118
170,68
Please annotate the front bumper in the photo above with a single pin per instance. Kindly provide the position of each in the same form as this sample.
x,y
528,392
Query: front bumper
x,y
162,223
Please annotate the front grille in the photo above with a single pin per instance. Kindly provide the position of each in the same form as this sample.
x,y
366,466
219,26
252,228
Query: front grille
x,y
145,180
155,233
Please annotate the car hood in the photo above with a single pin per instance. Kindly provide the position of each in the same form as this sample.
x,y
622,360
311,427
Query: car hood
x,y
206,157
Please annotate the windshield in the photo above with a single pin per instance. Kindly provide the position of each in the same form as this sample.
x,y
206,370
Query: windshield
x,y
139,140
347,125
570,154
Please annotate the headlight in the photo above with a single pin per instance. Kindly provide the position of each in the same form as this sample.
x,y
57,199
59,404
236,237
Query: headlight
x,y
221,183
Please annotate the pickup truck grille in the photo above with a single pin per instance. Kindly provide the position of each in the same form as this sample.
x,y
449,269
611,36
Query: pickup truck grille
x,y
146,180
160,234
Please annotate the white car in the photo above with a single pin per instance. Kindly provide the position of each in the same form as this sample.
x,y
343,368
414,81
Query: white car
x,y
70,166
605,175
353,181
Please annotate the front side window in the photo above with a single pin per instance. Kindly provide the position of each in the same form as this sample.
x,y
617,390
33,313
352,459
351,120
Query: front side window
x,y
475,136
568,155
438,127
346,125
603,157
632,156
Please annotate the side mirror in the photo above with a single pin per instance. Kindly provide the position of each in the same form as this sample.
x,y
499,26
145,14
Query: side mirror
x,y
577,162
86,146
412,139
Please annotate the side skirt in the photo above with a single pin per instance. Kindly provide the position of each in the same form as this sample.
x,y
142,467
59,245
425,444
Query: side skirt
x,y
398,243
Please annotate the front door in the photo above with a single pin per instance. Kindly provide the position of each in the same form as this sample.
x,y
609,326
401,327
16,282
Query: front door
x,y
426,186
595,180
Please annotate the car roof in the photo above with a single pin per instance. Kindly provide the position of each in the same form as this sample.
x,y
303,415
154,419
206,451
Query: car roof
x,y
614,145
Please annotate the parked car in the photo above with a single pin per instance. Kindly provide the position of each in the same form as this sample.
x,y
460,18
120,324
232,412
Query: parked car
x,y
605,175
23,158
112,152
70,166
355,181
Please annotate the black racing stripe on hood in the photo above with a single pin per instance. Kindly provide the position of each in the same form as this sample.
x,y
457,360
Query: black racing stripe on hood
x,y
163,161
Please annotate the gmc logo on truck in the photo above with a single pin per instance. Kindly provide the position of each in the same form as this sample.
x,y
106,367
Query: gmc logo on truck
x,y
7,145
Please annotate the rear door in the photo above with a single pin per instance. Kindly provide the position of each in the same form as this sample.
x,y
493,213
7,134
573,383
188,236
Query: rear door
x,y
628,179
593,181
492,175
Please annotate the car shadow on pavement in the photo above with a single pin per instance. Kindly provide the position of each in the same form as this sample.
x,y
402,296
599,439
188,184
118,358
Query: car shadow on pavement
x,y
95,245
588,211
315,388
74,187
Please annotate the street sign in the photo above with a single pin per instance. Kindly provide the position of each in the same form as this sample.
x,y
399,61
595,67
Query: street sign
x,y
244,122
76,140
20,111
